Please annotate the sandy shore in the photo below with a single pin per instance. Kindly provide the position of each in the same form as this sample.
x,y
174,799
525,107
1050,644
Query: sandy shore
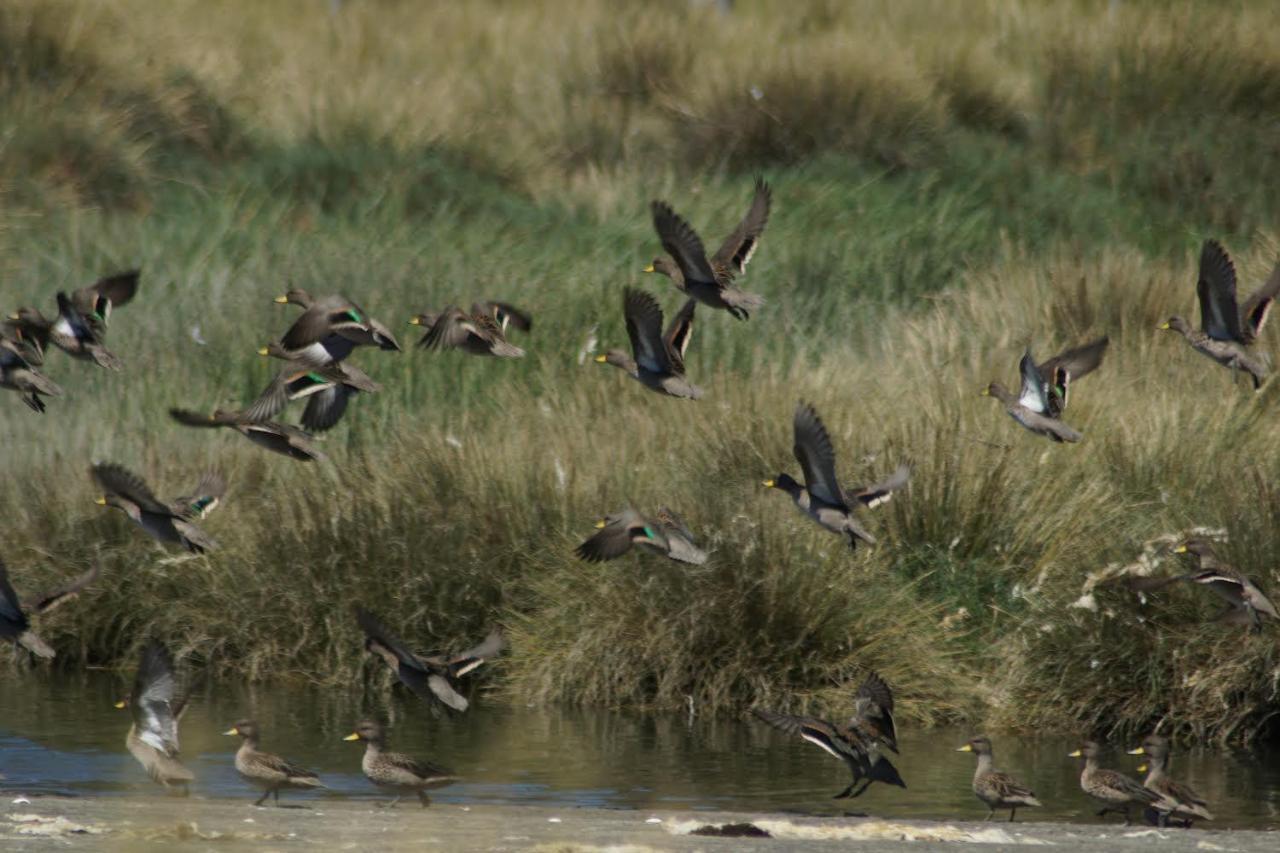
x,y
220,825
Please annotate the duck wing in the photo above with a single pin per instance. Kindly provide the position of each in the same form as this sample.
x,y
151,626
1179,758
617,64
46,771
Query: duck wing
x,y
873,710
1256,309
1216,289
1034,394
816,455
882,492
735,252
1064,368
203,499
67,591
644,328
683,244
680,330
118,480
154,707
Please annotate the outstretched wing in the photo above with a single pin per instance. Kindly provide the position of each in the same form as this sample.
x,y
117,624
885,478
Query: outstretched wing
x,y
118,480
680,331
873,710
506,313
816,455
882,492
1034,394
644,328
203,499
736,251
487,649
67,591
155,688
1216,288
682,243
377,632
1256,309
820,733
1066,367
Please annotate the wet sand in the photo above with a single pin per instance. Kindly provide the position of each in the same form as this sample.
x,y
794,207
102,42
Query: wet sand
x,y
160,823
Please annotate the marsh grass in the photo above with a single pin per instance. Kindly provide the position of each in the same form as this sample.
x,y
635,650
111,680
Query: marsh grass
x,y
949,187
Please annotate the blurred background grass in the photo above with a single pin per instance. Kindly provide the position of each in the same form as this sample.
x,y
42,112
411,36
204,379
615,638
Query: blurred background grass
x,y
952,181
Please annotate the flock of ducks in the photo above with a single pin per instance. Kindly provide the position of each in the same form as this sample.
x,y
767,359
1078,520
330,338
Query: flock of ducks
x,y
315,350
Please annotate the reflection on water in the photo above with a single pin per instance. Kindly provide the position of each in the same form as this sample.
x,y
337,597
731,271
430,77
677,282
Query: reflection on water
x,y
61,735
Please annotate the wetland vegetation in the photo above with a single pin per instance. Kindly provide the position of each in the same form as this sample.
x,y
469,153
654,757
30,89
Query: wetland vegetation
x,y
951,182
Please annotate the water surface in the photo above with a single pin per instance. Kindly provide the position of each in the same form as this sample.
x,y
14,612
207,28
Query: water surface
x,y
61,735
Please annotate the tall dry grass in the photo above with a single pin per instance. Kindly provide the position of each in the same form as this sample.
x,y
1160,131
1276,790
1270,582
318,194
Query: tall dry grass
x,y
953,181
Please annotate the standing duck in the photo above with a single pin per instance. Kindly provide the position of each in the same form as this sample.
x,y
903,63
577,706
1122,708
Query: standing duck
x,y
166,522
663,534
997,789
269,772
156,708
394,771
710,281
1044,392
1114,790
821,497
483,331
15,624
657,360
1227,328
1191,806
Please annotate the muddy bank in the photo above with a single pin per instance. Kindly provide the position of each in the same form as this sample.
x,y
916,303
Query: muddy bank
x,y
160,824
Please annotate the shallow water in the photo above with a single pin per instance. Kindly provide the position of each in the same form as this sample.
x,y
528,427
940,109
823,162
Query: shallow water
x,y
60,734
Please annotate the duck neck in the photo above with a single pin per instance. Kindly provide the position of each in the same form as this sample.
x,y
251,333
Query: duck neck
x,y
986,763
248,743
1155,768
373,747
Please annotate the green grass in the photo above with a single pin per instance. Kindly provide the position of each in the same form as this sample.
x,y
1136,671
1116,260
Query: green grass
x,y
948,186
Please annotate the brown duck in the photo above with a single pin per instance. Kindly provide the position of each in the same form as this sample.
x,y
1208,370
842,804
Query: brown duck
x,y
429,677
997,789
18,373
394,771
657,360
1114,790
821,497
1191,806
81,325
15,623
266,771
1044,393
1227,328
481,332
663,534
710,280
328,330
156,706
857,742
166,522
276,437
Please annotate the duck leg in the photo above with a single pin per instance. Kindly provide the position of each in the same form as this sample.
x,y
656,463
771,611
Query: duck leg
x,y
1013,811
263,798
990,814
424,799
